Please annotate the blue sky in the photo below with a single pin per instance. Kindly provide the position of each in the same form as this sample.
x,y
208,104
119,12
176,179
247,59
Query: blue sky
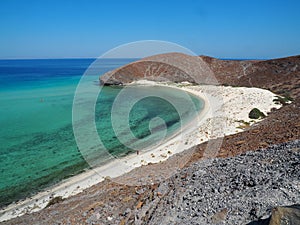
x,y
88,28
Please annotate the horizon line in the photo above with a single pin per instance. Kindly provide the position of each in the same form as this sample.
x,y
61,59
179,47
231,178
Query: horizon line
x,y
221,58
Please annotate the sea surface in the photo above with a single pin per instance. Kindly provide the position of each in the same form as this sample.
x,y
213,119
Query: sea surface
x,y
37,143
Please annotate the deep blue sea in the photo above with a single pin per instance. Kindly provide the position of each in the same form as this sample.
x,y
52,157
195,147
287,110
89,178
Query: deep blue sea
x,y
37,144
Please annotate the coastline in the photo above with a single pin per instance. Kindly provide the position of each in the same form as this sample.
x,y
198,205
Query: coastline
x,y
174,144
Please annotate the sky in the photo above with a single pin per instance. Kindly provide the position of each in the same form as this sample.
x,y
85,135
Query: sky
x,y
256,29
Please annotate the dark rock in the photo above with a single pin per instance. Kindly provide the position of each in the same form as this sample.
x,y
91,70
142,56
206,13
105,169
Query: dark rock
x,y
54,200
288,215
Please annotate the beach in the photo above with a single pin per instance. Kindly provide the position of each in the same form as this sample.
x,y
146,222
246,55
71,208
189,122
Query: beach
x,y
230,105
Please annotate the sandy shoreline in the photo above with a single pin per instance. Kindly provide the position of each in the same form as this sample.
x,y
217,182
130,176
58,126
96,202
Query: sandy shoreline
x,y
231,104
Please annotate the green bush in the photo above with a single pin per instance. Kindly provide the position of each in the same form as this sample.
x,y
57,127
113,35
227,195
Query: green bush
x,y
282,100
256,114
54,201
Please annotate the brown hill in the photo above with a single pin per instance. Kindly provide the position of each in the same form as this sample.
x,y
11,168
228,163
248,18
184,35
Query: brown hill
x,y
281,76
278,75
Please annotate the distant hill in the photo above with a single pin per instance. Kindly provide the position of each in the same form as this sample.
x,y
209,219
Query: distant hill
x,y
281,76
278,75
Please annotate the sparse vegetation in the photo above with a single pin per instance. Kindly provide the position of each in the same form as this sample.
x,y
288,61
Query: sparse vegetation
x,y
182,84
282,100
256,114
286,94
243,125
54,200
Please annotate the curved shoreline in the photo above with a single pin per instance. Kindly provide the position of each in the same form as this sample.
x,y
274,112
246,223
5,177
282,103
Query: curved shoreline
x,y
117,167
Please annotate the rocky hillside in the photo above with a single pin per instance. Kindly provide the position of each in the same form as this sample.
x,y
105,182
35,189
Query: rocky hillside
x,y
278,75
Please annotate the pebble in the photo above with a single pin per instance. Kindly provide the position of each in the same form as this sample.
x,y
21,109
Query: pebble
x,y
248,186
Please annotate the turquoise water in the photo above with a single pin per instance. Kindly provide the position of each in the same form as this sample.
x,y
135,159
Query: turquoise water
x,y
38,147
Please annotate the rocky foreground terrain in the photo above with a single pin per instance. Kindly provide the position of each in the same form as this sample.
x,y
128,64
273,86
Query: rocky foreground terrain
x,y
241,189
234,190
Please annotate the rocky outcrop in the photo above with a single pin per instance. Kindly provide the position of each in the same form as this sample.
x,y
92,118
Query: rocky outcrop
x,y
281,215
286,215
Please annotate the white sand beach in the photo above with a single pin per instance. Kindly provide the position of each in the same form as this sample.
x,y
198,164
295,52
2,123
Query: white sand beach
x,y
231,105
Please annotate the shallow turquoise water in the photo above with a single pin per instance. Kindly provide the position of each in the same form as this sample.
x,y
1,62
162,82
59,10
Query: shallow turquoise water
x,y
38,147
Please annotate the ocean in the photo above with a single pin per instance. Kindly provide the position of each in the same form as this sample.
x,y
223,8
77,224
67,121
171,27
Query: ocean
x,y
37,143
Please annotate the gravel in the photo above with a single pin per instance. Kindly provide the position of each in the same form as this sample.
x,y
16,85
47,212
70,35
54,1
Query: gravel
x,y
234,190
